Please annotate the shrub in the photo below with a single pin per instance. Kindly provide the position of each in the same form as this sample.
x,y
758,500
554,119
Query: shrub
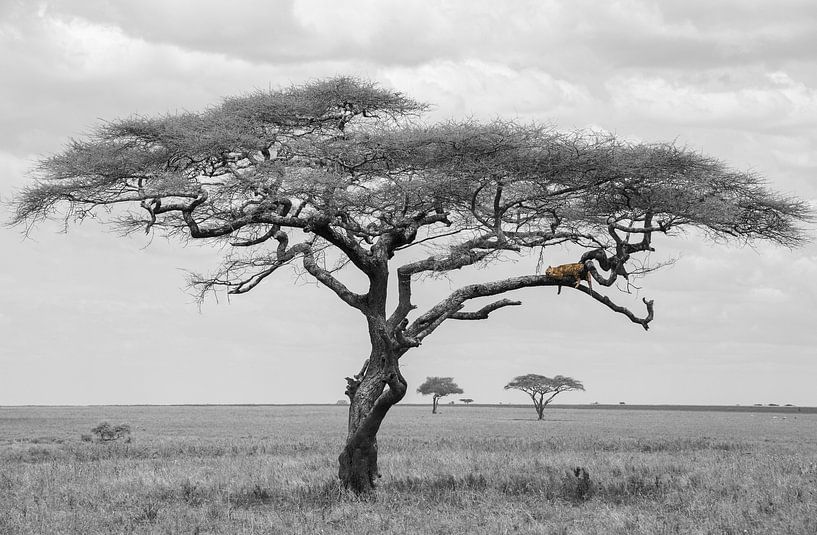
x,y
105,432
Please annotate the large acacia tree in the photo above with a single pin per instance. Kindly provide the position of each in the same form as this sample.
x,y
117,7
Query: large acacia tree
x,y
340,174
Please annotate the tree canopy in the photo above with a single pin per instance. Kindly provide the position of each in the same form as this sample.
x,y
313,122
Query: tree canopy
x,y
332,163
540,386
438,387
341,174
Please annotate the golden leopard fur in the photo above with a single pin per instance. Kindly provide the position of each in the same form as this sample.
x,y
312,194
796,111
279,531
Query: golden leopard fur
x,y
576,272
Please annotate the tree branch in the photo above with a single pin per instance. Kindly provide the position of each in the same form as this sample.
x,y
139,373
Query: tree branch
x,y
549,399
404,305
460,256
405,231
260,239
433,318
482,313
456,260
283,255
352,249
644,322
349,297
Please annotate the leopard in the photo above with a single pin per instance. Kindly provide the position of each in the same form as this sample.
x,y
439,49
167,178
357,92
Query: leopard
x,y
576,271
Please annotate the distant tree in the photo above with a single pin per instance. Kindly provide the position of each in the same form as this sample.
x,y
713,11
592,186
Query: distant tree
x,y
106,432
543,389
466,400
337,175
438,387
341,402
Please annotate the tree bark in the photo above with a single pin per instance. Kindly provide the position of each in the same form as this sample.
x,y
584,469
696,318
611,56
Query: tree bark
x,y
378,387
434,402
538,405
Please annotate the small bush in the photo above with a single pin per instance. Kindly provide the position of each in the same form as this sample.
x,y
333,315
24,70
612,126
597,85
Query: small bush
x,y
86,438
105,432
191,493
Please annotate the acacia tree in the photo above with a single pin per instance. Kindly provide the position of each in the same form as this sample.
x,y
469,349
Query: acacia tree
x,y
337,175
539,386
467,401
439,387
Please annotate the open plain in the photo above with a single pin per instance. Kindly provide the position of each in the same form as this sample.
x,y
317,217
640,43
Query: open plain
x,y
271,469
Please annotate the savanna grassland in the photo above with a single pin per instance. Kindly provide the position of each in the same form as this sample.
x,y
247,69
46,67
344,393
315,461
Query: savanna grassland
x,y
491,470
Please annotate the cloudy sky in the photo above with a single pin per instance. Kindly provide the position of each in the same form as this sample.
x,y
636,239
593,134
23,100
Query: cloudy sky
x,y
88,317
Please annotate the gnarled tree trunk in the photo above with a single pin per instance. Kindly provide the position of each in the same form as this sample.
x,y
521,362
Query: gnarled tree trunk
x,y
372,392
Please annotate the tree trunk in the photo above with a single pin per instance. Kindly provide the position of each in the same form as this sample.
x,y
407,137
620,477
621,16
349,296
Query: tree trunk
x,y
434,402
378,387
539,406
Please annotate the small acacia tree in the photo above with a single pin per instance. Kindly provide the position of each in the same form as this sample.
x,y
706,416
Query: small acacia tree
x,y
438,387
106,432
543,389
467,401
338,175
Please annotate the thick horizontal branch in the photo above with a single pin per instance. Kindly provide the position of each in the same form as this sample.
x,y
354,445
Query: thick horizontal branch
x,y
425,324
428,322
640,230
459,256
456,260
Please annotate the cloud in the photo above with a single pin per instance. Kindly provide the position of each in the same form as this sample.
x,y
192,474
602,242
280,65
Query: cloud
x,y
770,103
64,74
543,60
547,34
487,90
247,29
695,35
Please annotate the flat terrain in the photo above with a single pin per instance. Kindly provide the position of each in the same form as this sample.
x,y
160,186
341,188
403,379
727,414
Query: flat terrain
x,y
271,469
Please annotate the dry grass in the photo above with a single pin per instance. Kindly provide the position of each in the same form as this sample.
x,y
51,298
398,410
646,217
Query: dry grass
x,y
467,470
